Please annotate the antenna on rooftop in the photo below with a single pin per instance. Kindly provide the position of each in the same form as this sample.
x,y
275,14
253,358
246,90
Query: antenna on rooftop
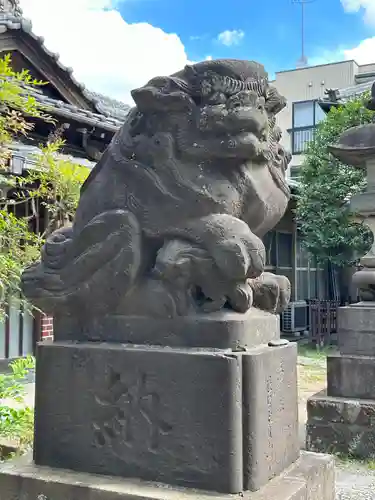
x,y
302,62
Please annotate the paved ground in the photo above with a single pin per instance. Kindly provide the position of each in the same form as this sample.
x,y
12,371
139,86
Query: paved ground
x,y
353,481
311,379
30,394
28,400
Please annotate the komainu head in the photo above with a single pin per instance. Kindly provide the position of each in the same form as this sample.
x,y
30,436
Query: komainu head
x,y
221,110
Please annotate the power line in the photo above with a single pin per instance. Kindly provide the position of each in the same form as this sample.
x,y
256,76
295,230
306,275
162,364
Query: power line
x,y
303,60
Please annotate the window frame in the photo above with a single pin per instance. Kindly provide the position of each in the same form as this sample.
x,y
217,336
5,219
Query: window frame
x,y
295,129
311,268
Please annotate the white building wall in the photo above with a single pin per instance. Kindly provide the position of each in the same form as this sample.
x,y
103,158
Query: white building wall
x,y
367,68
305,84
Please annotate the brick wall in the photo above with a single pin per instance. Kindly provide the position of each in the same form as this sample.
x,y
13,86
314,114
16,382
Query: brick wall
x,y
47,328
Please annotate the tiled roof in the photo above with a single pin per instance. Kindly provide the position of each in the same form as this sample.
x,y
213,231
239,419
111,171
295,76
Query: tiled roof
x,y
69,111
110,108
343,95
29,153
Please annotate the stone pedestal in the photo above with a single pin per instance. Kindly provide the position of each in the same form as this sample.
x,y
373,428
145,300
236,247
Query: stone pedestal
x,y
342,418
216,419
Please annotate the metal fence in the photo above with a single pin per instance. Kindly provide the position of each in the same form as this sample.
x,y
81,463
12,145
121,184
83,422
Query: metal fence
x,y
323,321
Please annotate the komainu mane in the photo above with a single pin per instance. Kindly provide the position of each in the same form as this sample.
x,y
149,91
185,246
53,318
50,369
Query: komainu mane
x,y
171,218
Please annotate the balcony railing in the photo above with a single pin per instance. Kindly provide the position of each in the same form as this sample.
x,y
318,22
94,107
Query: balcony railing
x,y
301,138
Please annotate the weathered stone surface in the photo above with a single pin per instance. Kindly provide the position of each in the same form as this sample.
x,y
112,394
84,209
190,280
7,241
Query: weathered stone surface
x,y
351,376
214,419
356,145
334,423
271,441
346,411
320,480
170,220
8,447
222,330
357,148
338,425
311,478
166,244
356,330
160,415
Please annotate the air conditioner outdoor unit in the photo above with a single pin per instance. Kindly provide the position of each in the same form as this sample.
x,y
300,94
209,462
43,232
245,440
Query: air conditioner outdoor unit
x,y
295,318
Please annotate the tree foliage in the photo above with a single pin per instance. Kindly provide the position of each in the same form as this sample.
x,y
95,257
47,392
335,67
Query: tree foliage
x,y
53,185
329,230
56,182
16,419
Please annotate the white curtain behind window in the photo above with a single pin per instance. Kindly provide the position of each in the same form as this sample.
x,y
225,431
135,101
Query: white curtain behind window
x,y
303,114
319,114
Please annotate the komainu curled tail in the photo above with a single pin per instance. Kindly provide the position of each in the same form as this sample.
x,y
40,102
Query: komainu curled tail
x,y
96,266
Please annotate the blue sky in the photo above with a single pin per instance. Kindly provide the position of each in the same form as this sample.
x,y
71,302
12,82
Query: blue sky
x,y
114,46
268,30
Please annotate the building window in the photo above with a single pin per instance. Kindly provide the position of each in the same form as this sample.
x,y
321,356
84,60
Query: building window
x,y
295,172
285,256
284,246
310,276
269,242
306,116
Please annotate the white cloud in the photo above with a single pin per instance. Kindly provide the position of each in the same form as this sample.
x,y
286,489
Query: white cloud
x,y
230,38
363,53
323,56
353,6
107,54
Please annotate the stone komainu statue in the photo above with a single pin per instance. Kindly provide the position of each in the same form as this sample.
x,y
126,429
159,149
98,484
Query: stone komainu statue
x,y
170,220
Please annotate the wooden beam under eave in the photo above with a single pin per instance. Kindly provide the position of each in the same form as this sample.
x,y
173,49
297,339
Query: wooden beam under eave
x,y
54,73
18,40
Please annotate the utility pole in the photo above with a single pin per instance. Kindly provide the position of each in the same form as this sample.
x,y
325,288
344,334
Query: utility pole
x,y
302,62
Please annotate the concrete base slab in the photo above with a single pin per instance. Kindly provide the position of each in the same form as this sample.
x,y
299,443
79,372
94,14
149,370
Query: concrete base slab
x,y
310,478
341,425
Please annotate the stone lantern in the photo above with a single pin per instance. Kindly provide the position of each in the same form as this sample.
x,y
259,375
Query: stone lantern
x,y
341,419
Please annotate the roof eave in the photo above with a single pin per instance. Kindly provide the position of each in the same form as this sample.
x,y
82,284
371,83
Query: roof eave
x,y
81,118
327,105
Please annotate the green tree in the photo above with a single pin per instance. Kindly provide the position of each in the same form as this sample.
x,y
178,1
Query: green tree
x,y
329,231
55,182
16,419
17,105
